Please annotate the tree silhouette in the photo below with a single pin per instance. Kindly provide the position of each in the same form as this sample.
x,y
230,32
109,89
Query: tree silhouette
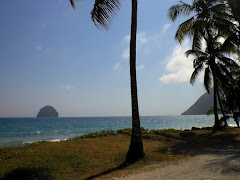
x,y
102,14
210,20
235,6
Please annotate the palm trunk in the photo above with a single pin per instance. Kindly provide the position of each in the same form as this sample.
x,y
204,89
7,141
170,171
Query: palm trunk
x,y
135,151
220,103
216,122
214,74
224,118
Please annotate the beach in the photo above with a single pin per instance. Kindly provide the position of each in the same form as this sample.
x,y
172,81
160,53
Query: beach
x,y
223,164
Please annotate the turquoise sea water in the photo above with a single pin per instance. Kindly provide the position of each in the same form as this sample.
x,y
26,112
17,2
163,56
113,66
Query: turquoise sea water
x,y
19,131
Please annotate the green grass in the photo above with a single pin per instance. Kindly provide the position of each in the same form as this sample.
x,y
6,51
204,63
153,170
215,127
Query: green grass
x,y
101,154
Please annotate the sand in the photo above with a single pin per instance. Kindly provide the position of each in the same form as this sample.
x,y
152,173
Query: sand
x,y
223,164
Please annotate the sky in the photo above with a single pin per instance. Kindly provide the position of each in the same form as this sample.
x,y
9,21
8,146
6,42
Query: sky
x,y
53,55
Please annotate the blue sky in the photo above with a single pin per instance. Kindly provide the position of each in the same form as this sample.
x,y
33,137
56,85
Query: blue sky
x,y
53,55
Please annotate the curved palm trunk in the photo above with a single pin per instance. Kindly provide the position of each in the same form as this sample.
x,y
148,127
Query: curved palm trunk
x,y
135,151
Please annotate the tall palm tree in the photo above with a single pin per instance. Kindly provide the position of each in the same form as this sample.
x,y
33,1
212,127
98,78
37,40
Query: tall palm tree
x,y
210,19
224,68
102,14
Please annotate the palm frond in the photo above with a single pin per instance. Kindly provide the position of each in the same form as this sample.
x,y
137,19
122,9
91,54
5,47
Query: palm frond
x,y
197,39
104,11
178,10
207,79
210,111
183,29
223,73
196,53
197,32
228,62
197,70
73,3
200,60
230,44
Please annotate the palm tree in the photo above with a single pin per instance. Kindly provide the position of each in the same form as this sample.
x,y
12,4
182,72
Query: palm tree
x,y
211,19
235,6
101,15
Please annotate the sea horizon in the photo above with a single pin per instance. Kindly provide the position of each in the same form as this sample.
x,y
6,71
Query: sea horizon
x,y
19,131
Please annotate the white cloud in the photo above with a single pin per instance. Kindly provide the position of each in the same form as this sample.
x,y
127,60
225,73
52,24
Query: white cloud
x,y
67,87
140,68
166,26
125,54
179,66
126,38
117,67
142,39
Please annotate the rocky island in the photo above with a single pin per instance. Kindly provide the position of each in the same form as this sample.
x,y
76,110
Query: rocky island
x,y
47,111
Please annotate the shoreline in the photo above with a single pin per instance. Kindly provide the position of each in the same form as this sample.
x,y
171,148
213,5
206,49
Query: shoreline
x,y
22,143
101,154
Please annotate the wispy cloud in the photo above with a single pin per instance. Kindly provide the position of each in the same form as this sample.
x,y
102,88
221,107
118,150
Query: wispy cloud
x,y
142,39
125,53
178,65
166,26
117,67
140,67
66,86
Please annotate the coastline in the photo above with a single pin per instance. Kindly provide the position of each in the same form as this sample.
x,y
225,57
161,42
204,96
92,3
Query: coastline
x,y
100,155
20,130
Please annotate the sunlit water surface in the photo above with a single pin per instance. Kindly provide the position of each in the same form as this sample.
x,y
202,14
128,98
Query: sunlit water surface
x,y
19,131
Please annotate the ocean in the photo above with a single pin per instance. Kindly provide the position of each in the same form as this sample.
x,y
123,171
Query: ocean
x,y
20,131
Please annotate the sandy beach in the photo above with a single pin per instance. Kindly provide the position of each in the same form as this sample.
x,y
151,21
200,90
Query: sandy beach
x,y
224,164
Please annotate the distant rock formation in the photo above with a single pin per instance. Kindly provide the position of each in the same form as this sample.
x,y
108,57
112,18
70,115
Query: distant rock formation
x,y
47,111
202,105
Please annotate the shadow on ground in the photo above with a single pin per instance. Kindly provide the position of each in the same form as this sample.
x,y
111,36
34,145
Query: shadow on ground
x,y
223,147
122,166
28,174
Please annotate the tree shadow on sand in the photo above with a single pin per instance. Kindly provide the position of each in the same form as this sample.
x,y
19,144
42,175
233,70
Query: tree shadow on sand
x,y
122,166
29,174
224,148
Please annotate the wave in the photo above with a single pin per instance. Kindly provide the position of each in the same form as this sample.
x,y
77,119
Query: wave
x,y
51,140
36,132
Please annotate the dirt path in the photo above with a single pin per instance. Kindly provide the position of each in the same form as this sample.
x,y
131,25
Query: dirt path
x,y
224,165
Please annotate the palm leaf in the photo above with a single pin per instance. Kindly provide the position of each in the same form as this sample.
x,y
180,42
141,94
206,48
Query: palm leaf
x,y
196,53
178,10
103,12
197,70
207,79
200,60
183,29
211,111
73,3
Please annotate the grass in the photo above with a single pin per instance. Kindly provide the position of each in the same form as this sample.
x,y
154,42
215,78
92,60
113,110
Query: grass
x,y
101,154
